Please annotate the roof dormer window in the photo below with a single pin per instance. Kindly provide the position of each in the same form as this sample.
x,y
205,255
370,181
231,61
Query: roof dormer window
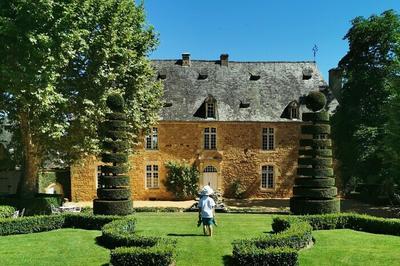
x,y
307,73
202,76
254,77
294,110
210,110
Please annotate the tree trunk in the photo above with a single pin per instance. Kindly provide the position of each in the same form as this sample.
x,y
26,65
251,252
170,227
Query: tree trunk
x,y
28,185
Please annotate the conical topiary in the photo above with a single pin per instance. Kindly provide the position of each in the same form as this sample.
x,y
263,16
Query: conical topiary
x,y
314,190
113,194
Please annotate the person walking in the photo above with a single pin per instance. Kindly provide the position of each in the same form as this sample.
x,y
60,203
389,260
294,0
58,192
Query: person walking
x,y
207,210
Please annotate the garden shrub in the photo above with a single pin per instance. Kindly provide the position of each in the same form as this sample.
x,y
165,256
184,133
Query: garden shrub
x,y
182,180
158,209
6,211
279,248
88,221
157,255
237,189
39,205
34,224
250,254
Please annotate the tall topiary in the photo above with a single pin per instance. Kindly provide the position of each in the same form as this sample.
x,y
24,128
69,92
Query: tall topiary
x,y
314,191
113,194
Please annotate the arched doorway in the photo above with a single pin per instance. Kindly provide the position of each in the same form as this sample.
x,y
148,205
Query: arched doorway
x,y
210,176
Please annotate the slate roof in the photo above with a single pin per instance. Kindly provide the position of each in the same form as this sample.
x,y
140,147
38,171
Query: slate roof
x,y
267,86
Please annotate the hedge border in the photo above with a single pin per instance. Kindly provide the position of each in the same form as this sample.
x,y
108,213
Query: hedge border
x,y
284,251
121,230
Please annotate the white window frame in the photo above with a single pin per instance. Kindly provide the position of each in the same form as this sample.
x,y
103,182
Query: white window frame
x,y
210,138
268,139
267,177
151,139
152,176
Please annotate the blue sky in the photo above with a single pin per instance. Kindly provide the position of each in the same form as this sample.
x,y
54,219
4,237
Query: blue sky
x,y
258,30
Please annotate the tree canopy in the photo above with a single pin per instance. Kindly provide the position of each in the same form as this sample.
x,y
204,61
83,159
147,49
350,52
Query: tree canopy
x,y
58,62
370,68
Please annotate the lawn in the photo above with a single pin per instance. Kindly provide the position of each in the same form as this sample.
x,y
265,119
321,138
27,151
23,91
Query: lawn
x,y
77,247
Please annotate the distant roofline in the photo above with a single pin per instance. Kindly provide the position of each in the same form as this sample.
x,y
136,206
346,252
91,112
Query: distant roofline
x,y
213,61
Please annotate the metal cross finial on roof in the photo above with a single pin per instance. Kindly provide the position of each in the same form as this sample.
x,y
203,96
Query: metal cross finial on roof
x,y
315,50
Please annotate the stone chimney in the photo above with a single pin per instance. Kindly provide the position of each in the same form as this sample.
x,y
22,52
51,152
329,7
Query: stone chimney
x,y
186,59
335,81
224,59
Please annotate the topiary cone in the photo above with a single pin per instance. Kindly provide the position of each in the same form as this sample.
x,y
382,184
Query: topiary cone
x,y
113,194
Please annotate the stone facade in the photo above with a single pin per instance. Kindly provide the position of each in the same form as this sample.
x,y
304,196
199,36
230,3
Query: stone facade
x,y
238,157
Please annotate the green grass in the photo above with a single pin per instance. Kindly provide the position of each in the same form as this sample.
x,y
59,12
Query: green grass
x,y
59,247
77,247
348,247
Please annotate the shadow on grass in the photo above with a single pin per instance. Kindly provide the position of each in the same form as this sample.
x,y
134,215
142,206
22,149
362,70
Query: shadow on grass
x,y
185,235
228,261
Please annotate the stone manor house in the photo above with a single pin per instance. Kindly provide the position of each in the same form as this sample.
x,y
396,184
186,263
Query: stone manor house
x,y
236,121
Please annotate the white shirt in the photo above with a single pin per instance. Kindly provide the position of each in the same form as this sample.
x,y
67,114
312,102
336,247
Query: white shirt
x,y
206,204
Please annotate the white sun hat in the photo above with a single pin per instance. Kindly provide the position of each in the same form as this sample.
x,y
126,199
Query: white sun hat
x,y
207,190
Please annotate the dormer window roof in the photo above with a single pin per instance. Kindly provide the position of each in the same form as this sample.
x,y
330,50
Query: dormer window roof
x,y
254,76
307,73
202,76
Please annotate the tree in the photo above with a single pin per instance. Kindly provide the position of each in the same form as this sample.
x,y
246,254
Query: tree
x,y
58,62
369,68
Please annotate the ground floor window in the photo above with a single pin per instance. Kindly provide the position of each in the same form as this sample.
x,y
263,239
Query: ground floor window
x,y
267,176
152,179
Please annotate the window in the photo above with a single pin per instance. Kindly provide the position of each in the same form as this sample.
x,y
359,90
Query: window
x,y
268,139
210,110
294,110
210,138
210,169
151,176
267,176
152,140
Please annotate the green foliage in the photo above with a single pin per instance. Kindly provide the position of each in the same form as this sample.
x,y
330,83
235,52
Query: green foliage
x,y
274,249
38,205
58,62
26,225
315,101
6,211
112,207
314,206
182,180
158,255
87,221
114,181
360,124
237,189
115,102
114,193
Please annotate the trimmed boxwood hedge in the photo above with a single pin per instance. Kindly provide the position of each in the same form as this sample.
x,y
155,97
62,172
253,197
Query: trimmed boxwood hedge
x,y
315,143
158,255
318,152
114,157
116,231
328,192
112,207
115,145
316,129
274,249
323,172
114,193
114,181
32,224
114,124
314,182
116,134
325,162
316,117
314,206
291,233
116,116
115,102
110,169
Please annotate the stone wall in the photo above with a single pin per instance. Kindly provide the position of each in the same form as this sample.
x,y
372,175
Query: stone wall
x,y
238,156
